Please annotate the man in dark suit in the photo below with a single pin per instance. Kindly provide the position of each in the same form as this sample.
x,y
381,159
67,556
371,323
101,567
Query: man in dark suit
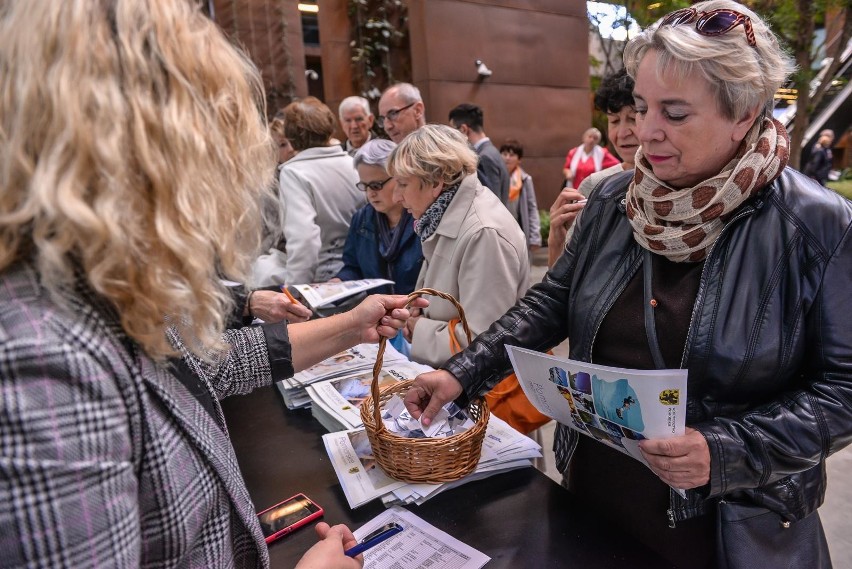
x,y
492,173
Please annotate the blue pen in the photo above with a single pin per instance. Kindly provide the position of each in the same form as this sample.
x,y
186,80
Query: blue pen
x,y
375,538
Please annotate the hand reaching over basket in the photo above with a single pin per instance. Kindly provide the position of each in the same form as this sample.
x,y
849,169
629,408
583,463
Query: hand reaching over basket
x,y
430,392
377,316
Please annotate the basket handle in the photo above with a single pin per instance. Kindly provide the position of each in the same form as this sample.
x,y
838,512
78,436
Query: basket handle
x,y
377,367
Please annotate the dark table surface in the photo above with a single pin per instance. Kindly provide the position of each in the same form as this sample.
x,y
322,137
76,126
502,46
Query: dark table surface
x,y
520,518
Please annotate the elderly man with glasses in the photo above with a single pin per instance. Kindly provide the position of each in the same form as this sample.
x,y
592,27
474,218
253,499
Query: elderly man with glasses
x,y
401,111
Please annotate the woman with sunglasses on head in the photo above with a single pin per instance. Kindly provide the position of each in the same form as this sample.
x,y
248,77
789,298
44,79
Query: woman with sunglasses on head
x,y
715,257
381,243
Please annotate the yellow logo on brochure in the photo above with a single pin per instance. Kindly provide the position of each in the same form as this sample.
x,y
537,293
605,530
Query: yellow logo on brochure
x,y
670,396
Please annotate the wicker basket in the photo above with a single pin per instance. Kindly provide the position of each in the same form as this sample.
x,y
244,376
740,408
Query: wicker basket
x,y
430,460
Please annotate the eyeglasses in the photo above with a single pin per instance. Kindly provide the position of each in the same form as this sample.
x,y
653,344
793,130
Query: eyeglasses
x,y
375,186
394,113
712,23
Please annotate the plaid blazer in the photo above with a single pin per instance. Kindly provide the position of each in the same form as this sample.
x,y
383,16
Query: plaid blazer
x,y
106,459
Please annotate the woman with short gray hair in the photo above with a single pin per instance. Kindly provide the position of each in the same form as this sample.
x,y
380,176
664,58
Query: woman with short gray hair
x,y
715,257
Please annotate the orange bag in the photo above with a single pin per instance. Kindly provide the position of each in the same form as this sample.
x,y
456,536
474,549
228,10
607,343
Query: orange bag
x,y
507,399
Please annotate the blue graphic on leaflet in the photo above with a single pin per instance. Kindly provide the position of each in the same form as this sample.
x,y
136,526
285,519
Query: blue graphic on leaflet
x,y
606,410
617,402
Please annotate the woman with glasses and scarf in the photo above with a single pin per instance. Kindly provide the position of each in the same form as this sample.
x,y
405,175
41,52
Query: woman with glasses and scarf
x,y
381,243
473,248
713,256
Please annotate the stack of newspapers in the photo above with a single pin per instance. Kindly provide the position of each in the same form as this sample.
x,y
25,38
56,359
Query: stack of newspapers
x,y
363,480
359,359
336,403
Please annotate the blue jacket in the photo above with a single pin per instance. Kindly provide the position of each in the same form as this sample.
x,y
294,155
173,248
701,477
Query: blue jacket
x,y
361,258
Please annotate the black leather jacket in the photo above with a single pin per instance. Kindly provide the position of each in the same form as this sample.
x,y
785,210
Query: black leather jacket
x,y
769,348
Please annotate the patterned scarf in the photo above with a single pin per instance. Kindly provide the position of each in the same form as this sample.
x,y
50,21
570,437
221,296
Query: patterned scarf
x,y
431,218
682,224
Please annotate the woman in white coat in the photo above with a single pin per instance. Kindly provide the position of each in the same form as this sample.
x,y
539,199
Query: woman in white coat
x,y
473,248
318,198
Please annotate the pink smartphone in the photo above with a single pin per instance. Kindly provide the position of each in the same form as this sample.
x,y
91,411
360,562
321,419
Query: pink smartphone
x,y
288,516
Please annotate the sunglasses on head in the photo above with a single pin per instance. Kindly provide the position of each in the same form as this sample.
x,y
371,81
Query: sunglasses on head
x,y
712,23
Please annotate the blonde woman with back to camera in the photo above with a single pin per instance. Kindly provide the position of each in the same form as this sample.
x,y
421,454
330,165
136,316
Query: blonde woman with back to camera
x,y
133,160
713,256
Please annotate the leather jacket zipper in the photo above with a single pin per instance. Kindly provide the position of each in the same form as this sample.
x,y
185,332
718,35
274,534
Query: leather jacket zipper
x,y
702,284
699,301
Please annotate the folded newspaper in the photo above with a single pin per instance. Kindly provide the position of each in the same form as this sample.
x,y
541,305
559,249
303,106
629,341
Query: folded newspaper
x,y
617,406
321,295
336,403
363,480
348,362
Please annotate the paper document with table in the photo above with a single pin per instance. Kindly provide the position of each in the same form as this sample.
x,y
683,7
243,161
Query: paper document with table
x,y
362,479
419,545
617,406
335,388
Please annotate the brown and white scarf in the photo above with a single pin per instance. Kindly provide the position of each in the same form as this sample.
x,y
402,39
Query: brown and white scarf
x,y
682,224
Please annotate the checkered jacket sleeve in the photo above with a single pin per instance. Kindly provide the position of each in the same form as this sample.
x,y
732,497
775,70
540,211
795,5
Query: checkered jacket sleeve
x,y
106,460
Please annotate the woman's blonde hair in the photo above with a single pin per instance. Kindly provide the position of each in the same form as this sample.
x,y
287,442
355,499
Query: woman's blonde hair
x,y
742,77
134,150
433,153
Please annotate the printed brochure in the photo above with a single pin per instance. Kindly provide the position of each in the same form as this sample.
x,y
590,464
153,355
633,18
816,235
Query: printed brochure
x,y
617,406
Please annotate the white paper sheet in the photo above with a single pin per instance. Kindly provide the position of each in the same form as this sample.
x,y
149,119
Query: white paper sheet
x,y
419,546
348,362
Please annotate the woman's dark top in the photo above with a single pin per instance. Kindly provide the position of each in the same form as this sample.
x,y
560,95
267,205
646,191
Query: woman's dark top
x,y
616,485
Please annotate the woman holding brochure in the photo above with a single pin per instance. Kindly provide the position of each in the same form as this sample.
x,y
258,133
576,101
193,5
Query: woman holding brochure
x,y
714,257
126,128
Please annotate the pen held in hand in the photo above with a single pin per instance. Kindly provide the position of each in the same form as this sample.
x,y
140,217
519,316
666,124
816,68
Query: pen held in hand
x,y
375,538
289,295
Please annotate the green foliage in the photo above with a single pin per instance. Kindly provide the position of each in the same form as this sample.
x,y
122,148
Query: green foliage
x,y
842,187
637,12
544,221
379,32
646,13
